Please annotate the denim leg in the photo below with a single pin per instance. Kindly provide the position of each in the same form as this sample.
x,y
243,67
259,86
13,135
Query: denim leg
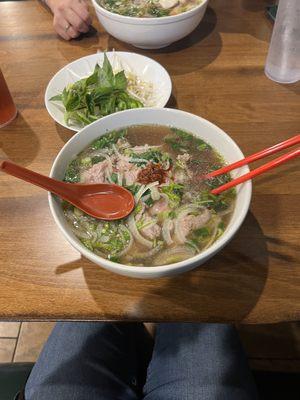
x,y
198,362
91,360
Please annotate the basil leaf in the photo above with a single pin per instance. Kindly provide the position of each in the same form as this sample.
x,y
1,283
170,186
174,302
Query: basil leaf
x,y
107,70
107,106
99,92
120,81
90,103
58,97
102,93
77,116
93,79
72,101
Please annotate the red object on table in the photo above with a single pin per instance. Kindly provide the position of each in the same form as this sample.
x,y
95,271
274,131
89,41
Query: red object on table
x,y
257,156
258,171
8,110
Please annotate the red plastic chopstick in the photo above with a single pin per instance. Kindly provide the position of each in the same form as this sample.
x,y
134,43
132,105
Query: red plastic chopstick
x,y
257,156
263,168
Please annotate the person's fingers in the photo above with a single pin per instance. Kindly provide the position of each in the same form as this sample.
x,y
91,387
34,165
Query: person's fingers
x,y
73,33
76,22
59,28
81,8
65,29
63,34
71,17
82,3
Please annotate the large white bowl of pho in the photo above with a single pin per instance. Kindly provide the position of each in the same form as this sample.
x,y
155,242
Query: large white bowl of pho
x,y
161,156
150,24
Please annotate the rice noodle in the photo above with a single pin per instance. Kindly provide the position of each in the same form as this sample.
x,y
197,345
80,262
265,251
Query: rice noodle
x,y
225,212
104,239
155,193
179,237
144,189
143,149
139,215
81,233
99,152
150,222
214,234
139,194
100,253
166,231
70,216
116,151
149,253
193,245
99,229
138,237
77,229
185,210
94,237
128,247
80,227
162,258
120,178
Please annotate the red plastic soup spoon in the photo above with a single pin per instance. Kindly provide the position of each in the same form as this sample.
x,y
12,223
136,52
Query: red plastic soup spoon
x,y
101,200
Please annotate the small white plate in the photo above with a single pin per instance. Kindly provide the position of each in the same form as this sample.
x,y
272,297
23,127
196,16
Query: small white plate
x,y
145,68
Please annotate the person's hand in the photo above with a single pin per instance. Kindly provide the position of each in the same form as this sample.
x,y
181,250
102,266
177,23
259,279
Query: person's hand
x,y
71,17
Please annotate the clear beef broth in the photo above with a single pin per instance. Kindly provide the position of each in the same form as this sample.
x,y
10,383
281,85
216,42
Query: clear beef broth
x,y
150,134
175,216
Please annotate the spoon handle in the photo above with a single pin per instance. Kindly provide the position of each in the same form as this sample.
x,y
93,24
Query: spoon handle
x,y
52,185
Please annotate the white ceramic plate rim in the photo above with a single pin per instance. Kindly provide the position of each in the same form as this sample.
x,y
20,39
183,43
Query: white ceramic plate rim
x,y
149,21
145,272
165,78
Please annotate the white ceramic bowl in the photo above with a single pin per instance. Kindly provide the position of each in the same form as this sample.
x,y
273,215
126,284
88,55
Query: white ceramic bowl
x,y
150,33
144,67
179,119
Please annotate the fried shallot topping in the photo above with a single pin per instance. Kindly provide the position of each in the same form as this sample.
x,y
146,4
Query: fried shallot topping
x,y
152,173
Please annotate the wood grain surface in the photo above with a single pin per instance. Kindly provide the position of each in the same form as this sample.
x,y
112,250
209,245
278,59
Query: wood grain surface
x,y
217,73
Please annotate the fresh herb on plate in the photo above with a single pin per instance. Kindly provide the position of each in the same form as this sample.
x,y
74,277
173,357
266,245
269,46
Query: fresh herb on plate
x,y
100,94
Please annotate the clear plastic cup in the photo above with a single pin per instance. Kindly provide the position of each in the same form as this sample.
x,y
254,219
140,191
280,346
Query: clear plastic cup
x,y
283,61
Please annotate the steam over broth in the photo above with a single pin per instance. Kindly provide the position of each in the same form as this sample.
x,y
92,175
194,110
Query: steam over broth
x,y
149,8
175,216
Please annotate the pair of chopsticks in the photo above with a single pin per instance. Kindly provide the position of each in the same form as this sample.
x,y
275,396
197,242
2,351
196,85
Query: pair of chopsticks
x,y
257,156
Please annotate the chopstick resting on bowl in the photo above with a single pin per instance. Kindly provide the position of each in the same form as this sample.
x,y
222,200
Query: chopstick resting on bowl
x,y
257,156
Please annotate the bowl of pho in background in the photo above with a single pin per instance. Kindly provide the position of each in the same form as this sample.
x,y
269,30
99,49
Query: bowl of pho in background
x,y
207,136
151,31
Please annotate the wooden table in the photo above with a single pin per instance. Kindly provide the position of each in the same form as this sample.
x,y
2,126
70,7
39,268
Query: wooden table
x,y
217,72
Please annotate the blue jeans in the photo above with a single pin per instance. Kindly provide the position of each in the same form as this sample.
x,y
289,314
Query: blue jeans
x,y
120,361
